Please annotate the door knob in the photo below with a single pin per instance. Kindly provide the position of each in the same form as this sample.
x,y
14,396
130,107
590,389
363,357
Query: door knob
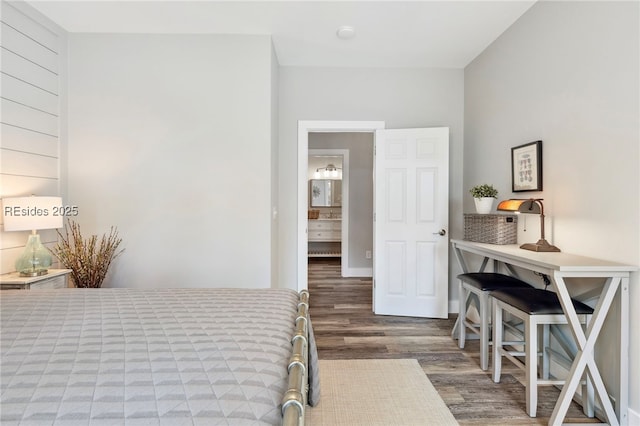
x,y
440,232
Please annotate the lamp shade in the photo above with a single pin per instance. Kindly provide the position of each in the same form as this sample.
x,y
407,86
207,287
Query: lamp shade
x,y
32,213
520,206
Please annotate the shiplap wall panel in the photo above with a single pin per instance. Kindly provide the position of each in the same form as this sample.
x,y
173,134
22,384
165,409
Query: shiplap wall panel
x,y
43,81
17,139
30,28
20,186
26,164
9,256
30,101
26,117
21,44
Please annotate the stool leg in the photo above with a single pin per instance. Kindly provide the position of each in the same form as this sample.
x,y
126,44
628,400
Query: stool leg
x,y
588,403
545,356
497,341
462,329
484,331
531,364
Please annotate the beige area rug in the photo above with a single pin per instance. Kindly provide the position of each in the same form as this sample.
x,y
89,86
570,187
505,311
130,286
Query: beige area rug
x,y
377,392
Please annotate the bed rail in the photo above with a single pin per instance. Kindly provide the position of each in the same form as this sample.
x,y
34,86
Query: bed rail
x,y
295,399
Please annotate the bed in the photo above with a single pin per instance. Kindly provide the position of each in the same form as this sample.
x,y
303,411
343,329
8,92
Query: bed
x,y
161,356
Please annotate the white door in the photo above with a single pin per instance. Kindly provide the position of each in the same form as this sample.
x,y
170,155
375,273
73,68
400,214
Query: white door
x,y
411,171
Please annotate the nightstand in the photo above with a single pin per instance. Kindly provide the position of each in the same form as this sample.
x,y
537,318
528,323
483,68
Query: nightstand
x,y
56,278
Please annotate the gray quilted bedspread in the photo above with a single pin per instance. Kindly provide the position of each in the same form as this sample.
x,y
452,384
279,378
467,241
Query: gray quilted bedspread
x,y
152,357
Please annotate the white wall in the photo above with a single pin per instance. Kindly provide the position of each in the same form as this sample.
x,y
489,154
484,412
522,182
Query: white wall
x,y
567,73
273,184
402,98
170,140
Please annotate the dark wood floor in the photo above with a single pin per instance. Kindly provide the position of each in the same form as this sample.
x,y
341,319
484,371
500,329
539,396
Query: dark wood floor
x,y
345,328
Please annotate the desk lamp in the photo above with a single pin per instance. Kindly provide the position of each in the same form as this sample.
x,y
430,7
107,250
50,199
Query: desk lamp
x,y
31,214
531,206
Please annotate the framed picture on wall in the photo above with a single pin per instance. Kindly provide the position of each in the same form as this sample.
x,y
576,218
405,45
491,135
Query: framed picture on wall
x,y
526,167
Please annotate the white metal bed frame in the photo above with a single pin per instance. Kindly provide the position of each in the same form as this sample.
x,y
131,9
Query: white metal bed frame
x,y
294,401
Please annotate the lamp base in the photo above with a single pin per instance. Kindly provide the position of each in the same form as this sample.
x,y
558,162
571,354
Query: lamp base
x,y
541,245
36,273
35,260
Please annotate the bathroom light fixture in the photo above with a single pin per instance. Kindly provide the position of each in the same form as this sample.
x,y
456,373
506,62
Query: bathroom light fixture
x,y
331,171
531,206
31,214
346,32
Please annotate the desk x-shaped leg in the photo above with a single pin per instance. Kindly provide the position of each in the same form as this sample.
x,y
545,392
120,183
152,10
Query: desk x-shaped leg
x,y
584,359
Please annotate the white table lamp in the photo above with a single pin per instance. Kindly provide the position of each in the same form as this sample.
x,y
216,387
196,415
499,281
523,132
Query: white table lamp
x,y
32,214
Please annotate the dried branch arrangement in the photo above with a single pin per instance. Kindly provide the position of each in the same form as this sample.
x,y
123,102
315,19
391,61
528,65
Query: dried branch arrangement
x,y
88,260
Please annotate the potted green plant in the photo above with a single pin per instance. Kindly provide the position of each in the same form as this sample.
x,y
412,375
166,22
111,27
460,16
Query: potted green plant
x,y
483,196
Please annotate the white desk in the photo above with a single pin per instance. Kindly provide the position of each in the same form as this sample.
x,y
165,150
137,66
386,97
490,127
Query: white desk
x,y
559,266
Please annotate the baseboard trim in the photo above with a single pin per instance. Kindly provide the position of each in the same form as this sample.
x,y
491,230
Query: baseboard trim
x,y
634,417
359,272
454,307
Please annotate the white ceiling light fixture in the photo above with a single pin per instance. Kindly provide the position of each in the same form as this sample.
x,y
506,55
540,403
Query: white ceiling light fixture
x,y
331,171
346,32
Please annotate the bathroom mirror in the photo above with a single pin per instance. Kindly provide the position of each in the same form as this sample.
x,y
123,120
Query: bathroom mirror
x,y
325,193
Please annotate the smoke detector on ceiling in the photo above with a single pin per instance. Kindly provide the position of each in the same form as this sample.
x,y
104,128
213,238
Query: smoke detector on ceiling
x,y
346,32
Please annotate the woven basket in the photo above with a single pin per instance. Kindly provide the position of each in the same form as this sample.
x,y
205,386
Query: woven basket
x,y
491,228
313,214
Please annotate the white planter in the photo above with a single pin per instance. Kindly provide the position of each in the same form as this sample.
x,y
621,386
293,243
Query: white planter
x,y
484,204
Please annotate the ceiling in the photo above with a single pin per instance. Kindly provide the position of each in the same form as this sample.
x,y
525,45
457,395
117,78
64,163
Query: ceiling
x,y
440,34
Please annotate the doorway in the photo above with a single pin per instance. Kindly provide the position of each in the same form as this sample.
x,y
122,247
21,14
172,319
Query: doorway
x,y
304,128
411,208
329,205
